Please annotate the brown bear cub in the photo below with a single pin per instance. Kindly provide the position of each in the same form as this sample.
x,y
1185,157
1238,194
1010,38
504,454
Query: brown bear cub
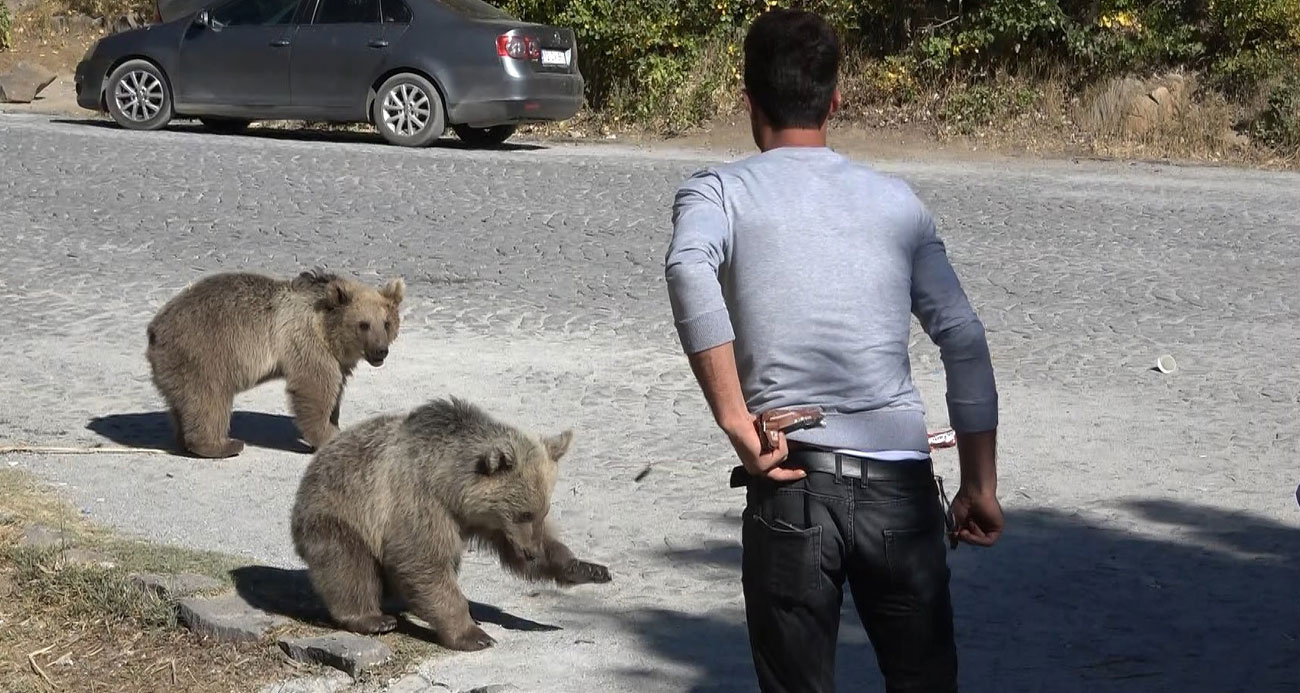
x,y
230,332
390,502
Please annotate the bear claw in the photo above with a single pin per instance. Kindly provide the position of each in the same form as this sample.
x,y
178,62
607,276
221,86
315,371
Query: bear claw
x,y
471,640
581,572
373,625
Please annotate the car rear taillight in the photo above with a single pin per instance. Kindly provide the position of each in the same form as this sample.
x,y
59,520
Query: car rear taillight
x,y
518,47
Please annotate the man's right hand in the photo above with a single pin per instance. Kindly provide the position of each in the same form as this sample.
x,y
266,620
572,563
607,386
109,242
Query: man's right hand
x,y
976,513
977,518
744,438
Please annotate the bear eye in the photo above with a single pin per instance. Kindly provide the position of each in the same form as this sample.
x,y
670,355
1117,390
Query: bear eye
x,y
388,325
365,326
526,517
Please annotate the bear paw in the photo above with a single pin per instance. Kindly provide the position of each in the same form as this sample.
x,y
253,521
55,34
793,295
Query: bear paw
x,y
230,448
372,625
471,640
583,572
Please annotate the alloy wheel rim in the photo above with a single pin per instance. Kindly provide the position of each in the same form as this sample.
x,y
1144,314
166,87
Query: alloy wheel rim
x,y
139,96
406,110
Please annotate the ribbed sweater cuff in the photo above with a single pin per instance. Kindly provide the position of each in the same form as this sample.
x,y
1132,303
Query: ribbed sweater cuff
x,y
972,417
705,331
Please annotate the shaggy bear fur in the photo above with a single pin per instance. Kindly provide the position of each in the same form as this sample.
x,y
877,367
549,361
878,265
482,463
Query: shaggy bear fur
x,y
391,501
230,332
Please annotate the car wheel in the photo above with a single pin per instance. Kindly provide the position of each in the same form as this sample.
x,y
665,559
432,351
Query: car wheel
x,y
408,111
225,126
139,97
484,137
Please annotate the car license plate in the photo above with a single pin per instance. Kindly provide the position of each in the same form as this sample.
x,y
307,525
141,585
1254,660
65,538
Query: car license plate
x,y
550,57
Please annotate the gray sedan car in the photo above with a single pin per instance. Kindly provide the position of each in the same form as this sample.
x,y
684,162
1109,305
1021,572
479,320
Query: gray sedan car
x,y
411,68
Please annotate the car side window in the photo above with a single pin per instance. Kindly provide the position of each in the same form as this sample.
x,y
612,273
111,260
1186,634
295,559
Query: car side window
x,y
395,12
347,12
255,12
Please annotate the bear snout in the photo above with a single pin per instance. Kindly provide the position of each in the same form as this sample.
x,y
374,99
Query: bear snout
x,y
376,356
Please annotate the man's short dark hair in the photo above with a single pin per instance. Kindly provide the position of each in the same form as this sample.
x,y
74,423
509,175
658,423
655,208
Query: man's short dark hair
x,y
792,61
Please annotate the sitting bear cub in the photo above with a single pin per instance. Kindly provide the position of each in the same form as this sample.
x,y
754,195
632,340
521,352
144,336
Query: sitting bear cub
x,y
390,502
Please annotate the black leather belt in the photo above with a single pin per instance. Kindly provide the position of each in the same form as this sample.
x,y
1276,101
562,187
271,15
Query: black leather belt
x,y
847,466
854,467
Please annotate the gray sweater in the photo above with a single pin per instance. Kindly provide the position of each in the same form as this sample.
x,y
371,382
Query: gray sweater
x,y
814,265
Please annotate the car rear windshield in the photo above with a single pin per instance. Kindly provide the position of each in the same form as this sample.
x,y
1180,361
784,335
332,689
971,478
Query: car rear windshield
x,y
477,9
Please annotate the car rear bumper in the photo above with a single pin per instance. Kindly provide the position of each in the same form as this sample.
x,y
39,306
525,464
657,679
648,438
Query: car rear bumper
x,y
544,97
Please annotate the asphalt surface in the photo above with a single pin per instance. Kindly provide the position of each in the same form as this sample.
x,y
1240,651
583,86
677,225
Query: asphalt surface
x,y
1153,538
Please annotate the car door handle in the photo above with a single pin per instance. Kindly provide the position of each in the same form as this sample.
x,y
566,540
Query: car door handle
x,y
280,43
378,43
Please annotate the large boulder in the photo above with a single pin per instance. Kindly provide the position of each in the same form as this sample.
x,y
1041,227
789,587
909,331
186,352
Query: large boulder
x,y
22,83
1159,102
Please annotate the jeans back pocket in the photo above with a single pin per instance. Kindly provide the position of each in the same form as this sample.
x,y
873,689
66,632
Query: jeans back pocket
x,y
780,559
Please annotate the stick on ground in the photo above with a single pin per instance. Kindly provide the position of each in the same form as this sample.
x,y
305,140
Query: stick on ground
x,y
89,450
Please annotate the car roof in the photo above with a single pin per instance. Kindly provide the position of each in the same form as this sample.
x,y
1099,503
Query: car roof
x,y
169,10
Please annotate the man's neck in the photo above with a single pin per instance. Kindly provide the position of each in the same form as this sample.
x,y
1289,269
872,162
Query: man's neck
x,y
792,137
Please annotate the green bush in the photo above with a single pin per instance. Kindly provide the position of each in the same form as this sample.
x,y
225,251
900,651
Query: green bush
x,y
1253,41
1278,125
669,60
6,28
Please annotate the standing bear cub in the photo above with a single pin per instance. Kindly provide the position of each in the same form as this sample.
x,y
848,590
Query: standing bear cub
x,y
389,503
230,332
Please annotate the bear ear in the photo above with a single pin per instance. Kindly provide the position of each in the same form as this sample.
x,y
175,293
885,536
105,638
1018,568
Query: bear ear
x,y
394,290
336,295
495,461
557,446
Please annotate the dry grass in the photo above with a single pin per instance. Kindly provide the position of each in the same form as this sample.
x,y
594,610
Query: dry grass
x,y
73,627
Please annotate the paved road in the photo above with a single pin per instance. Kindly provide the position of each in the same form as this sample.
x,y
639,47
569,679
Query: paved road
x,y
1154,537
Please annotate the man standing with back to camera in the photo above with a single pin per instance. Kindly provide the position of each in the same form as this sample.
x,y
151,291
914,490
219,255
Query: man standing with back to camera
x,y
793,275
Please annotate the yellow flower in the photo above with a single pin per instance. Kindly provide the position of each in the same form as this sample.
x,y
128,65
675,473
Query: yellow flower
x,y
1123,20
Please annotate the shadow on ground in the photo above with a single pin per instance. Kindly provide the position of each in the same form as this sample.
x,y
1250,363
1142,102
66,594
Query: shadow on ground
x,y
289,593
153,430
307,135
1067,604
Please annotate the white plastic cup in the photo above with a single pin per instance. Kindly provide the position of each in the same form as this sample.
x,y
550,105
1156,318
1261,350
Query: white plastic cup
x,y
1166,364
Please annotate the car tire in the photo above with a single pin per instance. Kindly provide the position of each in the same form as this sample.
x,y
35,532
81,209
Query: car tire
x,y
225,126
138,96
408,111
484,137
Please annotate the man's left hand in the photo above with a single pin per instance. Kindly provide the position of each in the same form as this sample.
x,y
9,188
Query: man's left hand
x,y
744,438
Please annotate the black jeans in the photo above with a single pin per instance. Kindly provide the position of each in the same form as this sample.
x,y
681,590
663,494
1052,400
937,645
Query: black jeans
x,y
883,533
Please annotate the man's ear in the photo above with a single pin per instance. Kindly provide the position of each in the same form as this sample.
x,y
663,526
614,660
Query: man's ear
x,y
558,445
496,460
